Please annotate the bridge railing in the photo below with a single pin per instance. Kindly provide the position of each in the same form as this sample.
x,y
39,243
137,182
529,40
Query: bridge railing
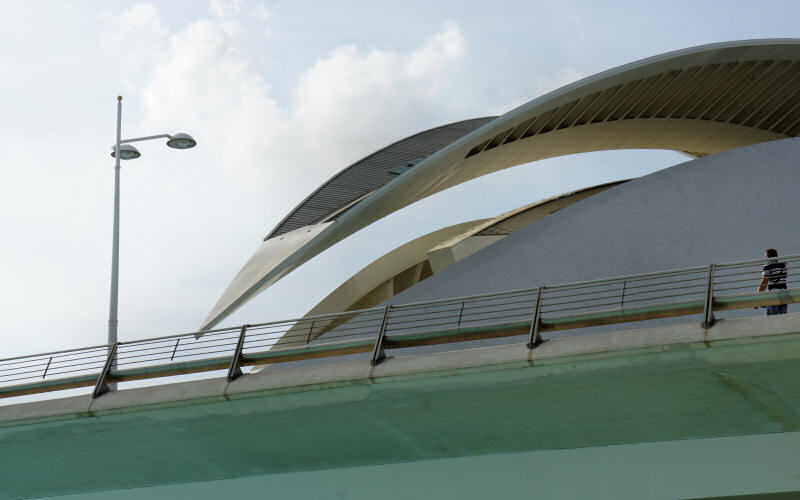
x,y
706,291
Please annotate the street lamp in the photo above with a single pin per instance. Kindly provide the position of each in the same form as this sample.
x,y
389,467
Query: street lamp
x,y
128,152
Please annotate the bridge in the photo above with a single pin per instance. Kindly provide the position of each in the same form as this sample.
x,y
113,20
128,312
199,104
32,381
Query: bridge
x,y
705,406
698,290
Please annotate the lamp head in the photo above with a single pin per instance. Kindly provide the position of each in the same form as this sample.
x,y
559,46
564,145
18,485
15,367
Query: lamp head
x,y
126,152
181,141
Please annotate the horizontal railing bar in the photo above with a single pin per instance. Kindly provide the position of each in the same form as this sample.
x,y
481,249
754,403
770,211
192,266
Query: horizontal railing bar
x,y
458,335
218,331
630,277
60,366
762,260
57,359
193,350
465,298
570,322
199,342
182,368
304,335
614,283
628,297
681,308
486,307
425,338
303,342
352,322
358,312
401,325
54,353
615,302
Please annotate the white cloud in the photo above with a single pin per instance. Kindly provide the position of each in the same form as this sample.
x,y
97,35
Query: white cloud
x,y
446,46
375,95
225,9
556,79
348,103
256,157
132,40
204,82
262,12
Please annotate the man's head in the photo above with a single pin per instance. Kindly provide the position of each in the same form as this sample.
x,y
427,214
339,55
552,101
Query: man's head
x,y
770,252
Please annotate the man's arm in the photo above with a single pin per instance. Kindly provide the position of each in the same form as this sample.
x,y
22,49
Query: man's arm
x,y
763,285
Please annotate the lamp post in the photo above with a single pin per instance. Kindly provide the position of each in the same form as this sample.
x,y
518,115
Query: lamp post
x,y
128,152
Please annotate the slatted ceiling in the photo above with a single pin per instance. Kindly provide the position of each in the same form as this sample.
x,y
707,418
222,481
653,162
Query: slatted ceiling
x,y
784,124
690,81
538,123
735,112
480,147
735,91
772,120
655,95
618,100
681,81
596,109
755,94
763,94
791,129
612,96
519,130
564,120
616,105
794,128
778,93
699,87
578,114
371,173
715,93
650,87
721,72
635,107
557,117
499,138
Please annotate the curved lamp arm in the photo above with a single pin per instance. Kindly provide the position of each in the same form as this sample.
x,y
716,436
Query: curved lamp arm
x,y
147,138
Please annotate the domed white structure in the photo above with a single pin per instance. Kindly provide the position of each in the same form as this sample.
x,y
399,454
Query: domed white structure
x,y
702,100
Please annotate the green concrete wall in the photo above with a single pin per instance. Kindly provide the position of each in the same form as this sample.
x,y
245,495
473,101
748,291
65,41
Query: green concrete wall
x,y
649,471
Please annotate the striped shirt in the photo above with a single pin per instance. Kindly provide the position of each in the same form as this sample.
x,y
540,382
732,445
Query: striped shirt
x,y
775,272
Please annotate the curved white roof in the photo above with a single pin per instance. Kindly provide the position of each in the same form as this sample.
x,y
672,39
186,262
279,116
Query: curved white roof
x,y
420,258
700,100
353,183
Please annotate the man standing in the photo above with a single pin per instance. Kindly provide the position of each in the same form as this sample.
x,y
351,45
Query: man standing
x,y
773,277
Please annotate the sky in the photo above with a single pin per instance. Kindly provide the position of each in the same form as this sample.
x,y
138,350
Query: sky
x,y
280,96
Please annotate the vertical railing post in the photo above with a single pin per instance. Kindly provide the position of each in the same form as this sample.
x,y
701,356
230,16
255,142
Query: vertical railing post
x,y
311,329
102,386
460,313
708,307
175,349
47,367
378,354
535,337
235,370
622,301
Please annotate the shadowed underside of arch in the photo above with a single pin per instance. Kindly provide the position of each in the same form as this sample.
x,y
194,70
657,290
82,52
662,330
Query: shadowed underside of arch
x,y
345,189
701,100
422,257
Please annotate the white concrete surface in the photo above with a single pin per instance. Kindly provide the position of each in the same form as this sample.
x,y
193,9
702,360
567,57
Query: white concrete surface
x,y
451,165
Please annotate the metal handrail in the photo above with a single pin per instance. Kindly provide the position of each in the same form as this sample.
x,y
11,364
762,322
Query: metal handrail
x,y
479,316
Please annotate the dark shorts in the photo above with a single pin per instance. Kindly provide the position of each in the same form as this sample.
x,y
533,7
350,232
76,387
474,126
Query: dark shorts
x,y
779,309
